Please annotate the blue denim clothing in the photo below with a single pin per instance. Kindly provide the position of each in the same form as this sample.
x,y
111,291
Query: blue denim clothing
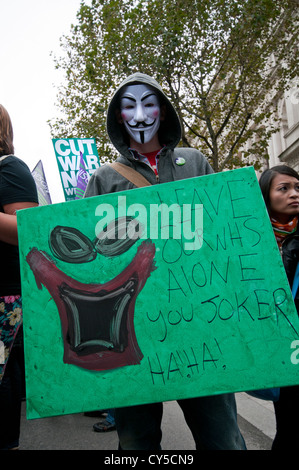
x,y
111,416
212,421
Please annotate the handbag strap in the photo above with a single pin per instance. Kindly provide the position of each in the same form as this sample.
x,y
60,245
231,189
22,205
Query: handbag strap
x,y
130,174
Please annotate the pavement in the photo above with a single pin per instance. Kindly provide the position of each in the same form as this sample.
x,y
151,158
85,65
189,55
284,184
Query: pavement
x,y
75,432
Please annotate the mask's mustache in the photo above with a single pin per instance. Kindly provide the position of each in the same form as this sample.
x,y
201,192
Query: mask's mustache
x,y
141,124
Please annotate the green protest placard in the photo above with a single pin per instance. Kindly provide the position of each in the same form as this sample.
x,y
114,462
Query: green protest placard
x,y
153,294
68,155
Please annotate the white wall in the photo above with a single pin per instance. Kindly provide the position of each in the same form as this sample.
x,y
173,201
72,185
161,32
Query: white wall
x,y
284,145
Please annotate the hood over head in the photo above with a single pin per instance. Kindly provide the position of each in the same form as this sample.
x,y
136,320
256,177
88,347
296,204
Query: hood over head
x,y
170,129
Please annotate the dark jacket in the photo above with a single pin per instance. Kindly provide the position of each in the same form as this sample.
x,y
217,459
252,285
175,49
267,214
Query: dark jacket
x,y
16,184
106,180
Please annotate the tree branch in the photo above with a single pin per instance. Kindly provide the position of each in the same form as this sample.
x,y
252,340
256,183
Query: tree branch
x,y
239,136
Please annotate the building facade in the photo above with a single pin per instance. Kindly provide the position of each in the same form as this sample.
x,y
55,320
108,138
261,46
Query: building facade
x,y
284,145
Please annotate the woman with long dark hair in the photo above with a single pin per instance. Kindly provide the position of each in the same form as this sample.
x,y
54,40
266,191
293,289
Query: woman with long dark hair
x,y
280,189
17,191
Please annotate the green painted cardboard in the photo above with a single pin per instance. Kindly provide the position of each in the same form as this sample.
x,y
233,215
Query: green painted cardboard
x,y
216,318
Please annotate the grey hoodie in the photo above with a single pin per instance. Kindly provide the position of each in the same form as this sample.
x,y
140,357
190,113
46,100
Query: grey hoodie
x,y
174,163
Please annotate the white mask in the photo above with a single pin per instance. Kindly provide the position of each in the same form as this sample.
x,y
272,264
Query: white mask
x,y
140,111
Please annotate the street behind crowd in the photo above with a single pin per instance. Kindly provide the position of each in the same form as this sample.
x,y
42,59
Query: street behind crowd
x,y
75,432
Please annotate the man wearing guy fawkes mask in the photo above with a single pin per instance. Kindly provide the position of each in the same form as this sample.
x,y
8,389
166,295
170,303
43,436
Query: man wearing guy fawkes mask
x,y
144,127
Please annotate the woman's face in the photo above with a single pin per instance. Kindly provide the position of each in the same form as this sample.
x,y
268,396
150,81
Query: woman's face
x,y
284,198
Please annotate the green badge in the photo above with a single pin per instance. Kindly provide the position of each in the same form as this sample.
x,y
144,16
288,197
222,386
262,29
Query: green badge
x,y
180,161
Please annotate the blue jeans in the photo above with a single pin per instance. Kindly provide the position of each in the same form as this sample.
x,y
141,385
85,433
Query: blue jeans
x,y
111,416
212,421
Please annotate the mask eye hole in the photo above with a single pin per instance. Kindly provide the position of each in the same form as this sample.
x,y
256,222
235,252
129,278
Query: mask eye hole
x,y
118,236
70,245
